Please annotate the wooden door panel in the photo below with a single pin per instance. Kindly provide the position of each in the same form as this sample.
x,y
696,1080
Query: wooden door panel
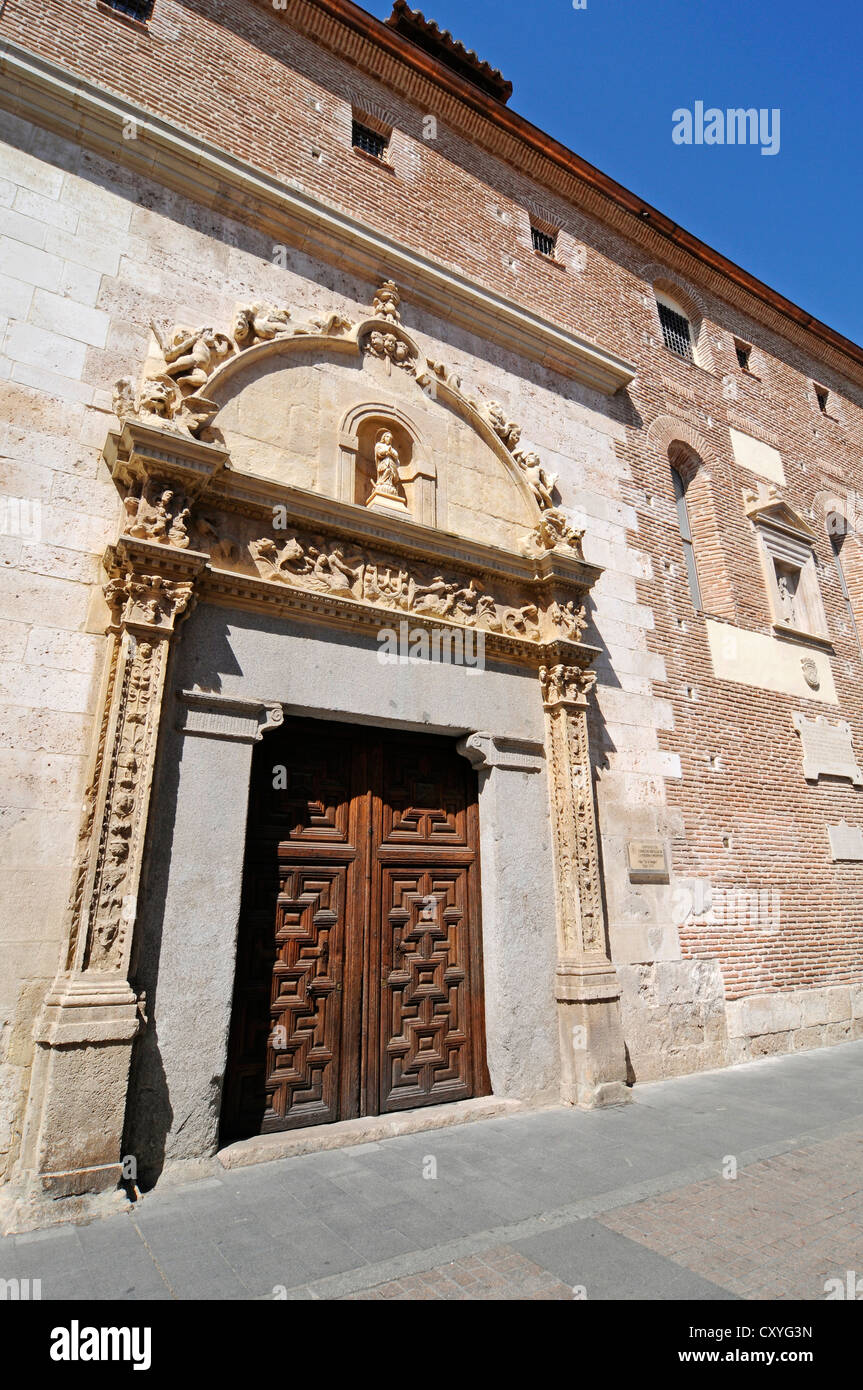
x,y
359,979
425,1009
302,1073
423,795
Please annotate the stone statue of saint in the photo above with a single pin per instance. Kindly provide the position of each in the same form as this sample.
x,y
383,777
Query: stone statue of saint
x,y
387,466
786,598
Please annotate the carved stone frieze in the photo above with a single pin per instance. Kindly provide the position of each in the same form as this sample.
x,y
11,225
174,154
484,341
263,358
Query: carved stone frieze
x,y
325,566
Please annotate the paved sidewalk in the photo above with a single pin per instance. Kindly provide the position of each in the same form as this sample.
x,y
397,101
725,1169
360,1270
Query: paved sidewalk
x,y
635,1202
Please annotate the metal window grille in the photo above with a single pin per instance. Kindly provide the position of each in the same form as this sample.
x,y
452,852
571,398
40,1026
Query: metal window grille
x,y
542,242
822,397
675,331
133,10
686,539
743,355
362,138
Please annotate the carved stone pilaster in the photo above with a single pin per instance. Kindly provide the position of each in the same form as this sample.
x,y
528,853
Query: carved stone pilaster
x,y
73,1131
593,1056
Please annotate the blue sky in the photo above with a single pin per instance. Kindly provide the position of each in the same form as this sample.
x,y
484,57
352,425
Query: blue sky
x,y
605,80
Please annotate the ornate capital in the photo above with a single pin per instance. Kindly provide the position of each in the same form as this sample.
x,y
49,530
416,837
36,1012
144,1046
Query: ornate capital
x,y
566,685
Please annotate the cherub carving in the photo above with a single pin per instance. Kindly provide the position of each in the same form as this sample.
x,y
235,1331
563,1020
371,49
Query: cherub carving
x,y
329,326
332,573
192,355
157,526
386,302
540,482
506,430
437,597
260,323
178,534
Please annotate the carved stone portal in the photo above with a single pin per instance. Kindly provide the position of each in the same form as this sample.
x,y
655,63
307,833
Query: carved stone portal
x,y
320,562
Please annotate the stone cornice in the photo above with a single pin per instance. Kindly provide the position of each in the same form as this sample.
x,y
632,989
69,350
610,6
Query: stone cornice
x,y
139,451
52,97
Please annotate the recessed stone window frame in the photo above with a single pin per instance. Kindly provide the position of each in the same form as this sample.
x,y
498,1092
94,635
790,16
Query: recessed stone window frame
x,y
786,547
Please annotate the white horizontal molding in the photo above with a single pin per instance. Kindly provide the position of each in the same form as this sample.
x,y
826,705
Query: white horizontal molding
x,y
47,95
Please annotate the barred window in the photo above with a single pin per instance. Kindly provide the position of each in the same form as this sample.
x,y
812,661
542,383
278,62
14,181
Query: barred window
x,y
363,138
675,330
543,242
822,395
131,9
686,538
743,351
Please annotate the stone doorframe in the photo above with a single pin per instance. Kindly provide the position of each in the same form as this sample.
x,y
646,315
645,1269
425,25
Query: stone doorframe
x,y
531,615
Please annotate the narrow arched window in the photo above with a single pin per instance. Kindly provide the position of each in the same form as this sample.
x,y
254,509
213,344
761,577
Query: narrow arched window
x,y
686,538
837,529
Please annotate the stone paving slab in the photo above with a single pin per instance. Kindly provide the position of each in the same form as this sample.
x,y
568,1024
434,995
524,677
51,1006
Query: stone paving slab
x,y
623,1203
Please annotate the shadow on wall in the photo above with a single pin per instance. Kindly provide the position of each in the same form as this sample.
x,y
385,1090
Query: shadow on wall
x,y
149,1113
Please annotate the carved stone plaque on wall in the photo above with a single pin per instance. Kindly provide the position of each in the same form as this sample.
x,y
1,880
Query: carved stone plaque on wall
x,y
647,861
846,841
827,749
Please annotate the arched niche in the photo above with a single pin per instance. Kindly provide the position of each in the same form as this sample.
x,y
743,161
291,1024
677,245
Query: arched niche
x,y
300,410
360,429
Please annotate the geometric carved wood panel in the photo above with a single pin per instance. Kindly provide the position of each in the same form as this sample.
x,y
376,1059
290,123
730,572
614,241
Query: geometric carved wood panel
x,y
359,973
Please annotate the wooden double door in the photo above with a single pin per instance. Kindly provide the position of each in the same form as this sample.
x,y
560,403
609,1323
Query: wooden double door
x,y
359,973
